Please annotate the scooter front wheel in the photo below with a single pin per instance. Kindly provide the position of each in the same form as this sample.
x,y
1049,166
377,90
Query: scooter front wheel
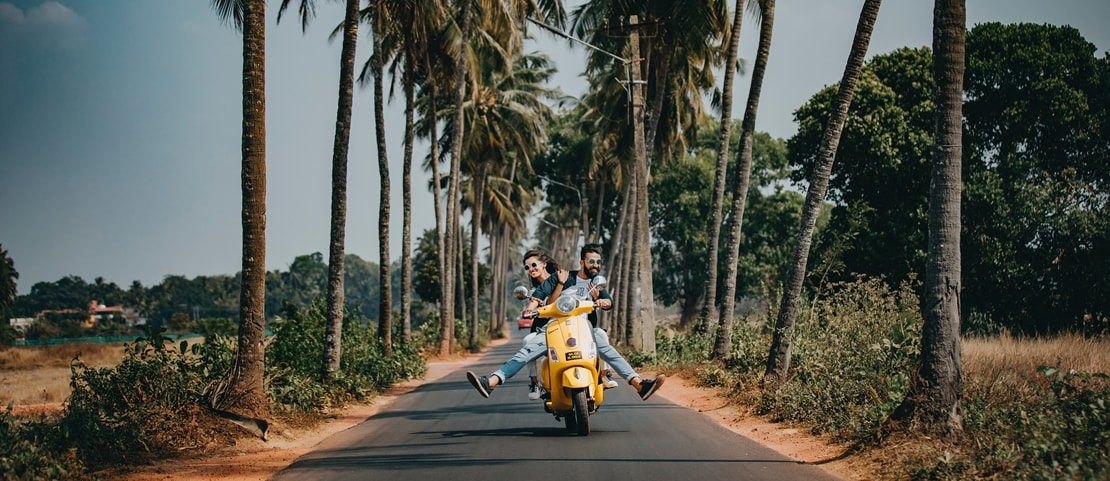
x,y
581,414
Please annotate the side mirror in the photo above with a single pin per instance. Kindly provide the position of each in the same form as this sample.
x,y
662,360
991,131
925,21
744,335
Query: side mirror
x,y
600,282
521,292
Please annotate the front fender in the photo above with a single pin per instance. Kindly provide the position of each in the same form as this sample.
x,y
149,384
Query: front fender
x,y
577,378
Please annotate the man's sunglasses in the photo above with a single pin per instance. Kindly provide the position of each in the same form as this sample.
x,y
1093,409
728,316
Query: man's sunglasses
x,y
593,261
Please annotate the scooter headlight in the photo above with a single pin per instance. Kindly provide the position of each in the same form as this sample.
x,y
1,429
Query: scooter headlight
x,y
566,304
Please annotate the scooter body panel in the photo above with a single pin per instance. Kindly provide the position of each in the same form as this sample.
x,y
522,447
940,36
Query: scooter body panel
x,y
571,363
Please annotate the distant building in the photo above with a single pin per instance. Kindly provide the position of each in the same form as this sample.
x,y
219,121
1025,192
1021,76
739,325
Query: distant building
x,y
95,312
20,323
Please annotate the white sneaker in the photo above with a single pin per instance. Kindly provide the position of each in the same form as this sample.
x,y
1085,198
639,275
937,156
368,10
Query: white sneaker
x,y
609,382
533,392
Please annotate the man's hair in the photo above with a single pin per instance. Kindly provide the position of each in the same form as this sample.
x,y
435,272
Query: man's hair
x,y
588,248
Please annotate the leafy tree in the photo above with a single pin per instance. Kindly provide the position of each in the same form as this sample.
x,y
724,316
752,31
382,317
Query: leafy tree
x,y
880,184
681,196
426,280
8,290
69,292
1035,214
211,327
305,281
180,322
1037,223
427,277
362,281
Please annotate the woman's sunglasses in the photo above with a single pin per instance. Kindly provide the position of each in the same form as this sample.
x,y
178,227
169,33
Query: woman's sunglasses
x,y
528,267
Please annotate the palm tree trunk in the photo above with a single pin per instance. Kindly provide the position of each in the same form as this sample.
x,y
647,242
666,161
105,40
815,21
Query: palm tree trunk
x,y
385,309
595,232
778,361
245,393
406,186
493,233
939,386
500,274
479,183
619,269
460,284
454,208
334,330
709,307
723,344
446,328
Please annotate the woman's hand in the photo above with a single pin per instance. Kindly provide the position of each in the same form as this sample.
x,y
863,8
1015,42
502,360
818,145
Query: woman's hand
x,y
563,276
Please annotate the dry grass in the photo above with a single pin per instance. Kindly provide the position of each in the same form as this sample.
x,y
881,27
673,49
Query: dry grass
x,y
1004,369
40,374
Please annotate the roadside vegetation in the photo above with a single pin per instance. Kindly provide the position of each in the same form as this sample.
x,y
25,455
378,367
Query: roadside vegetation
x,y
1034,253
1033,407
152,404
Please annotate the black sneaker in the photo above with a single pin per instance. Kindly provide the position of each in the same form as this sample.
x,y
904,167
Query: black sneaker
x,y
481,383
648,387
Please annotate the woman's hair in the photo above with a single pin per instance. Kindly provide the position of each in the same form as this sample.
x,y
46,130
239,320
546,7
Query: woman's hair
x,y
543,256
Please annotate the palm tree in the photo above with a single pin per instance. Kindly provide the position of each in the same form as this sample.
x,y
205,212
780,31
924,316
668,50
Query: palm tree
x,y
778,360
377,60
723,344
452,228
939,386
709,306
495,40
434,66
340,147
407,43
243,392
8,291
675,58
517,132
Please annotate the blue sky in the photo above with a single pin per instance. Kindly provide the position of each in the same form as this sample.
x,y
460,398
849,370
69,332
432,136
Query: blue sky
x,y
120,126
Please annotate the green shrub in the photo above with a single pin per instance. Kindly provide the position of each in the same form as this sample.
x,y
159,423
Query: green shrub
x,y
1064,433
144,407
26,454
853,353
426,338
295,355
221,326
681,348
150,405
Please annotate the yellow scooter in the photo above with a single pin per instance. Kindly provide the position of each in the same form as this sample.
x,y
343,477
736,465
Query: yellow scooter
x,y
570,372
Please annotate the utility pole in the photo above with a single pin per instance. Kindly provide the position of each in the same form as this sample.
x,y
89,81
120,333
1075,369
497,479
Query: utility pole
x,y
643,325
639,313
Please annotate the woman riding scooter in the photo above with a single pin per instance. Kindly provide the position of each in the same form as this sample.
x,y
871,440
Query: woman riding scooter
x,y
590,267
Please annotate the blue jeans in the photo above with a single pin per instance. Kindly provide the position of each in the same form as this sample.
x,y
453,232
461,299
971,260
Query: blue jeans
x,y
537,347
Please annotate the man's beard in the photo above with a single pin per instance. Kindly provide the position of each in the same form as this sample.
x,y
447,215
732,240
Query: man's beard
x,y
593,271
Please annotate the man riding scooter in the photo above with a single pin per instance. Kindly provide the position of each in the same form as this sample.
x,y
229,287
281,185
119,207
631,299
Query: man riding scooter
x,y
590,267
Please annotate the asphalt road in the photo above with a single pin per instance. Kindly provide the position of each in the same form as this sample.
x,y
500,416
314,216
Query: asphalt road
x,y
445,430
